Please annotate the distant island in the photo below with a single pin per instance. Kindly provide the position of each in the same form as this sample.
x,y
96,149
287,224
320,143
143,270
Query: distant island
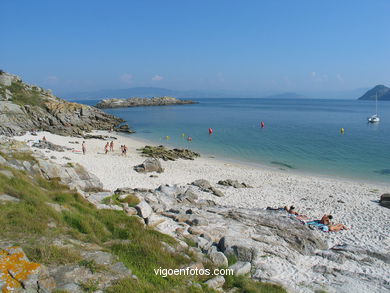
x,y
380,91
138,102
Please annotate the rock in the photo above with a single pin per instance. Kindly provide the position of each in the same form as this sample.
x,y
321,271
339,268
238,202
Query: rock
x,y
217,192
203,184
58,208
75,176
203,243
137,102
149,165
144,210
97,197
130,211
241,268
153,220
216,282
7,173
124,129
8,198
44,144
218,259
124,190
17,273
196,221
233,183
168,155
241,248
385,200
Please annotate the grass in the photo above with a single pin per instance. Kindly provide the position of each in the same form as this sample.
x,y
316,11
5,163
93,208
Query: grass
x,y
130,199
89,286
93,266
246,285
51,254
20,156
22,96
26,224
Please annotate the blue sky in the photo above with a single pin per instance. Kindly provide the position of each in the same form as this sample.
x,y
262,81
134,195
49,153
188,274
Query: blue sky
x,y
259,46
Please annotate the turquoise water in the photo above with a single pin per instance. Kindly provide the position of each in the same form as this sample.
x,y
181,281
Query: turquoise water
x,y
299,134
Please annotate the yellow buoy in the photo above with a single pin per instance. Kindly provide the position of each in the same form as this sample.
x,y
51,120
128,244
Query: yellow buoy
x,y
342,130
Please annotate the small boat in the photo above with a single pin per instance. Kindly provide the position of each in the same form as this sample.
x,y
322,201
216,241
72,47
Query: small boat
x,y
374,118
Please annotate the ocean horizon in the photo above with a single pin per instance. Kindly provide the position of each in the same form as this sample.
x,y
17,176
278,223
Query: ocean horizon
x,y
299,134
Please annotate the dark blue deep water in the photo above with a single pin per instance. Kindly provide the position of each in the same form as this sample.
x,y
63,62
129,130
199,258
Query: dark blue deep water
x,y
300,134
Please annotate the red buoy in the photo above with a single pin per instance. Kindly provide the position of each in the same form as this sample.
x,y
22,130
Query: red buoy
x,y
189,138
210,131
262,124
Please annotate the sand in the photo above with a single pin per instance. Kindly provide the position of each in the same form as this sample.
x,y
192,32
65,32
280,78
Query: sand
x,y
353,203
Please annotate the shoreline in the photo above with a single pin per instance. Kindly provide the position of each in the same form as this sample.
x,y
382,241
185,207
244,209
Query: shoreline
x,y
354,204
261,166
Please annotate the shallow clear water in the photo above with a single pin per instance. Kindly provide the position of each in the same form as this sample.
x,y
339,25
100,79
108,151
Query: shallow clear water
x,y
301,134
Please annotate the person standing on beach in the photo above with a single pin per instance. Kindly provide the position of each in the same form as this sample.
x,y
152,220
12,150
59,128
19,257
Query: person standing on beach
x,y
112,146
83,148
106,148
125,150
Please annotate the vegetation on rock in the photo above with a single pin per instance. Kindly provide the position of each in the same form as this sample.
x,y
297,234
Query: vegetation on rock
x,y
168,154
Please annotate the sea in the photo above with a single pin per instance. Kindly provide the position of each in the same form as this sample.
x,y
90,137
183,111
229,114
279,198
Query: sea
x,y
298,134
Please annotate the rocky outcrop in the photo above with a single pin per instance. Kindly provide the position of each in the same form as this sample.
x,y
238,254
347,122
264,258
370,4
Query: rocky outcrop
x,y
44,144
168,155
73,175
137,102
234,183
26,107
269,246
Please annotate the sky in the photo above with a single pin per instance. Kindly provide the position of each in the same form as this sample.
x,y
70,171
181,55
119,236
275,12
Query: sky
x,y
249,46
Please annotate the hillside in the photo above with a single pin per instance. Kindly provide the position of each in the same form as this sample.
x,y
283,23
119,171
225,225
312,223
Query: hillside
x,y
25,107
380,91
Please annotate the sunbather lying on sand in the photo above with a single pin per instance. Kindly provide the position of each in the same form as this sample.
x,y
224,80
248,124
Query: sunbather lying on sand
x,y
286,208
326,225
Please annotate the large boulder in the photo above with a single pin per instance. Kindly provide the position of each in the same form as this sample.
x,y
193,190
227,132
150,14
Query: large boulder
x,y
149,165
385,200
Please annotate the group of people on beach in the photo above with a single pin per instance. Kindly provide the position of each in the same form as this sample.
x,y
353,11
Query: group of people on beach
x,y
324,224
109,147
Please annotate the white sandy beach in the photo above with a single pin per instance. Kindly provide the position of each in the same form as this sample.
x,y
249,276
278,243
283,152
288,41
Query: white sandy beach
x,y
353,203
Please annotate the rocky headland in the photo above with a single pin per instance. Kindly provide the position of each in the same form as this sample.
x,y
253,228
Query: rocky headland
x,y
138,102
25,107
